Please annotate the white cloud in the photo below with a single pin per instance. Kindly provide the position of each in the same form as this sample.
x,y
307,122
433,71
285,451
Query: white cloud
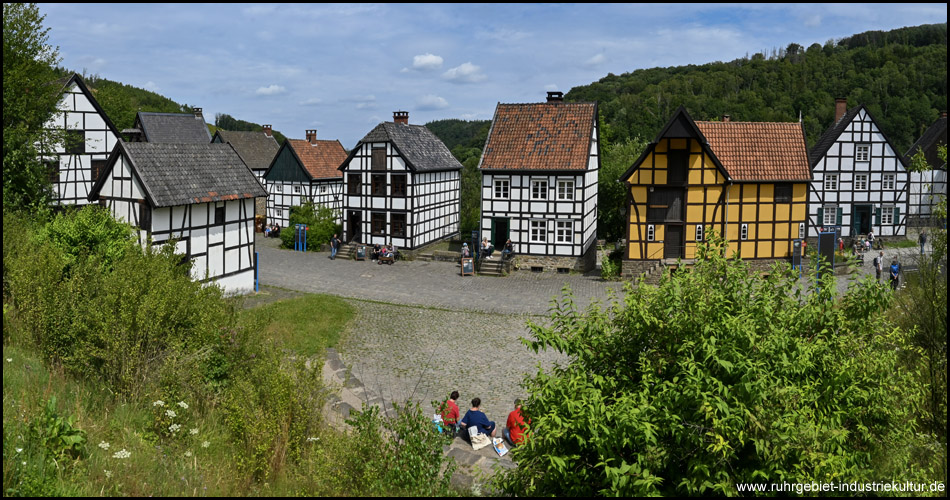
x,y
363,101
431,102
150,85
313,101
271,90
426,62
466,73
813,21
596,60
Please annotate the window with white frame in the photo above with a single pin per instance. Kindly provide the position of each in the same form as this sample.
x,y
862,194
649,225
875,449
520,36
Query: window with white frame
x,y
280,212
830,216
565,190
699,232
861,182
296,189
278,188
831,182
539,189
502,189
744,232
565,231
887,182
539,230
887,215
651,232
801,230
862,152
323,189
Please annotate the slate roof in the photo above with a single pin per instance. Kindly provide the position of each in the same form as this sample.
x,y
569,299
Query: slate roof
x,y
831,135
175,128
540,136
257,149
759,151
422,150
321,160
182,174
934,135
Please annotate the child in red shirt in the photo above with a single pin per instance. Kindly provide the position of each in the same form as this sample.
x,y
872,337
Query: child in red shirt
x,y
450,415
514,427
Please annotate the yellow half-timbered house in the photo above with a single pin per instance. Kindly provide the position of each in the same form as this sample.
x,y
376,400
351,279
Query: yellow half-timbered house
x,y
748,181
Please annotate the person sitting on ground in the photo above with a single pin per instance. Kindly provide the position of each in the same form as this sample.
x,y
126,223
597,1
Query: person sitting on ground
x,y
276,232
508,251
465,251
475,418
267,230
514,428
450,415
376,252
487,249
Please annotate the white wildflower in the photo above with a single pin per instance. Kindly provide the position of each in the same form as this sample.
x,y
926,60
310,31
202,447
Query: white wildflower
x,y
158,403
108,473
188,453
18,450
104,445
183,405
9,360
171,413
174,428
205,444
121,454
312,439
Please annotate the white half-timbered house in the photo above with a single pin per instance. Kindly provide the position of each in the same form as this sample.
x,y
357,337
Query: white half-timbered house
x,y
90,137
539,183
199,195
401,187
928,187
257,149
859,181
170,128
302,171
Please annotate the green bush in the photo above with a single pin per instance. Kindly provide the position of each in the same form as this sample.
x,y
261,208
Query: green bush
x,y
88,231
320,221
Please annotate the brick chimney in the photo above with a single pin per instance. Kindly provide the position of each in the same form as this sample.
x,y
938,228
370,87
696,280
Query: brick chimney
x,y
726,118
555,96
267,131
841,107
312,136
198,113
401,117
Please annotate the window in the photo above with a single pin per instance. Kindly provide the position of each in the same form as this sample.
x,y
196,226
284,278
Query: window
x,y
379,184
830,216
887,215
565,190
399,224
565,231
783,193
831,182
651,232
677,166
323,189
699,232
296,189
861,182
145,217
97,167
539,190
744,232
52,168
219,215
665,204
502,189
888,181
278,188
399,185
353,184
378,159
75,142
862,152
379,223
280,213
539,231
801,230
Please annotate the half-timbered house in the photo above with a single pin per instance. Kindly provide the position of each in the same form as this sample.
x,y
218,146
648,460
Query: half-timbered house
x,y
859,180
257,149
748,181
539,183
171,128
928,187
201,196
304,171
89,138
401,187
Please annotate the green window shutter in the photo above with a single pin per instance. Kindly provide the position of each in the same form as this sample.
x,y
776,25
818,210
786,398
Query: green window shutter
x,y
877,216
821,216
839,210
897,215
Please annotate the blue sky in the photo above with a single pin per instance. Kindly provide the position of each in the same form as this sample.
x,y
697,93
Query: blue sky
x,y
343,68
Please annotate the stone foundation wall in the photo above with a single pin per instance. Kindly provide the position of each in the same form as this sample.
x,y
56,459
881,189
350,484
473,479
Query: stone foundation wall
x,y
550,263
632,269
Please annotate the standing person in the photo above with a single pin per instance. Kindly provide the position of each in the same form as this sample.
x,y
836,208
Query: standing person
x,y
879,266
895,274
475,418
870,240
922,239
450,414
465,252
841,244
514,427
334,246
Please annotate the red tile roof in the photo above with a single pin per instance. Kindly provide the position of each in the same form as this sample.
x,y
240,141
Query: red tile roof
x,y
322,160
759,151
543,136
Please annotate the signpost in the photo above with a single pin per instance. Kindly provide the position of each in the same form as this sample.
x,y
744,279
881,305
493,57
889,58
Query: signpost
x,y
827,242
797,256
300,237
361,252
468,266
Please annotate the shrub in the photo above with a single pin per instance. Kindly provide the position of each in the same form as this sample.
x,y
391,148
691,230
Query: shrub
x,y
91,232
320,221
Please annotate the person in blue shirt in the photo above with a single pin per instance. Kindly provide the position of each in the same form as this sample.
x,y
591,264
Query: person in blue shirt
x,y
475,417
895,273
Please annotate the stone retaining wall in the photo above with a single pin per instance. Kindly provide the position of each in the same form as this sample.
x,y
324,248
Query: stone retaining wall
x,y
552,263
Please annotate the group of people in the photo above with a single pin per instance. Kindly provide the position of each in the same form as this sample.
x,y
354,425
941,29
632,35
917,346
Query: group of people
x,y
894,270
272,231
475,418
487,249
381,251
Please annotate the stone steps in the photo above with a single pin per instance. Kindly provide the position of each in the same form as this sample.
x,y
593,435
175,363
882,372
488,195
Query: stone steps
x,y
491,267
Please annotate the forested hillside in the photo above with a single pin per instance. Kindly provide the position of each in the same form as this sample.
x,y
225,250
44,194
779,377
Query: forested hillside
x,y
900,75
